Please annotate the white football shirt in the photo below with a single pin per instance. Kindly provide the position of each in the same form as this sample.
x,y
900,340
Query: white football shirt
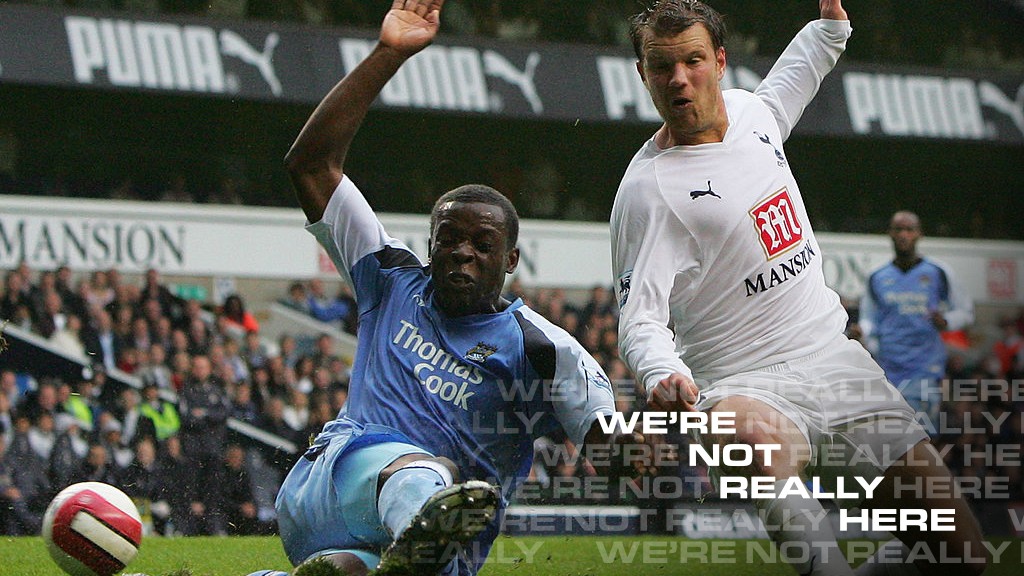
x,y
717,270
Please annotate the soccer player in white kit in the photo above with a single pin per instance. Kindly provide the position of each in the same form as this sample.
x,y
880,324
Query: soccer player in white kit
x,y
724,306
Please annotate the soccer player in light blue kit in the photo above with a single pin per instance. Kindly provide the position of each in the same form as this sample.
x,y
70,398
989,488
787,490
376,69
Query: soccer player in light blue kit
x,y
450,380
906,306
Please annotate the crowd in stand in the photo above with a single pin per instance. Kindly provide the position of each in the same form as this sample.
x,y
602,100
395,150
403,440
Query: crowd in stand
x,y
177,458
191,476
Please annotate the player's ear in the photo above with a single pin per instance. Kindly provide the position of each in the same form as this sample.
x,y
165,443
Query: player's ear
x,y
513,261
640,71
720,61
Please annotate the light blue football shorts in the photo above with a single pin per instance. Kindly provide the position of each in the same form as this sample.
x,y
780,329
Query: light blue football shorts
x,y
328,502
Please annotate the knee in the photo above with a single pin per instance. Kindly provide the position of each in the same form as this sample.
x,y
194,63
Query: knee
x,y
410,458
451,466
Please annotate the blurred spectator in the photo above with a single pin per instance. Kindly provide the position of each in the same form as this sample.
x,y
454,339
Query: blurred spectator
x,y
12,296
97,467
320,413
243,407
163,334
199,338
81,403
239,320
128,359
154,290
141,336
288,350
6,419
233,358
129,413
296,299
204,408
43,399
18,513
69,339
98,292
100,340
304,374
1010,346
162,416
254,351
296,410
272,420
42,435
180,490
179,344
324,354
69,450
23,318
72,301
154,369
181,364
236,495
340,310
111,438
141,480
37,292
51,317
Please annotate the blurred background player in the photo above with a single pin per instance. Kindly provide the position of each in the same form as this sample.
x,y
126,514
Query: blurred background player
x,y
450,379
907,304
724,302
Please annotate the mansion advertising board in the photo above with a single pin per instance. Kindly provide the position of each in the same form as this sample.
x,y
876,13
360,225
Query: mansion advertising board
x,y
251,242
290,63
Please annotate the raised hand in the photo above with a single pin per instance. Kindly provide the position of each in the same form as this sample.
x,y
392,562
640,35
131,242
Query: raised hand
x,y
411,25
832,10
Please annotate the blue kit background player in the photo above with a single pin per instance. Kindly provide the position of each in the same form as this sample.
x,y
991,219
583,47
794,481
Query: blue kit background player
x,y
907,304
450,380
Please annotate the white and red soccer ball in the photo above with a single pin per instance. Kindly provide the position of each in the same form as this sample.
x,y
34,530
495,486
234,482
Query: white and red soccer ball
x,y
92,529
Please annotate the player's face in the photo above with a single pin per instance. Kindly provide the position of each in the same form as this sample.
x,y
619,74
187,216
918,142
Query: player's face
x,y
904,231
469,257
682,73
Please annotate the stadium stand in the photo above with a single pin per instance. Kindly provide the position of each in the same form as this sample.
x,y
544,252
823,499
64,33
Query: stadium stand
x,y
81,421
83,345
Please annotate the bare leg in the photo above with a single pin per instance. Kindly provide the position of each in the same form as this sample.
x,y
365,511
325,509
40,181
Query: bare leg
x,y
898,490
797,525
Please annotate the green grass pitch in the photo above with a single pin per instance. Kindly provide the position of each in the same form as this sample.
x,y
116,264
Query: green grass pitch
x,y
519,556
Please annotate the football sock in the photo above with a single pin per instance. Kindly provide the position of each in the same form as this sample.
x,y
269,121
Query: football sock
x,y
803,533
889,560
405,492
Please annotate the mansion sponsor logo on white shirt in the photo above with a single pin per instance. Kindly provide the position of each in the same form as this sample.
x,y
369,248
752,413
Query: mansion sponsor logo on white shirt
x,y
779,231
777,225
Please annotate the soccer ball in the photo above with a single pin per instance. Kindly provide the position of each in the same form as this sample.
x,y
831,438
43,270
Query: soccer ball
x,y
92,529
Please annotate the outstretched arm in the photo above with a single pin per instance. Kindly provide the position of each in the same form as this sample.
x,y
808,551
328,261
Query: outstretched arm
x,y
316,159
797,74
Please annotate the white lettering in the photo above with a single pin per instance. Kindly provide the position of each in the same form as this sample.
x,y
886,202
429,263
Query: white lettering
x,y
145,54
438,78
891,519
929,106
623,88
